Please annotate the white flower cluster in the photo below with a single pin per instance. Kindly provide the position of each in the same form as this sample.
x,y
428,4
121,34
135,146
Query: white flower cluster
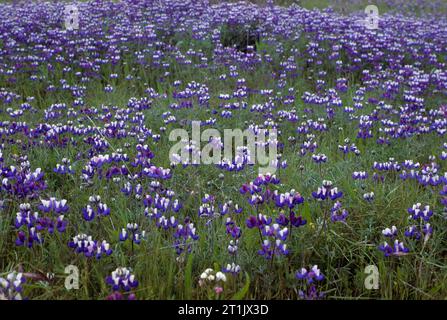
x,y
211,276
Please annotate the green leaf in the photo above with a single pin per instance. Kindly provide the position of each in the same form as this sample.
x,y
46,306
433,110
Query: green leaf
x,y
306,212
188,278
241,294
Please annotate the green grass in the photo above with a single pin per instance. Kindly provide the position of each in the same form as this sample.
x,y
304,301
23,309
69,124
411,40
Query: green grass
x,y
342,252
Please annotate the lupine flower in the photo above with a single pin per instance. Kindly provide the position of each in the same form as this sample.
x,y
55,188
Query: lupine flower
x,y
327,191
11,286
390,233
295,220
165,223
84,244
319,158
289,199
398,249
30,235
427,230
29,238
185,235
275,231
250,188
338,213
413,232
360,175
269,249
266,179
229,207
232,268
132,229
64,168
49,224
312,276
443,193
233,246
206,210
258,221
89,212
21,182
311,293
419,212
25,216
233,229
36,224
57,206
369,196
122,282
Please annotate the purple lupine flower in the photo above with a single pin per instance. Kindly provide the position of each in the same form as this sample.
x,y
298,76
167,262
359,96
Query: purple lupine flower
x,y
443,194
233,229
11,286
95,209
103,209
275,231
296,220
84,244
123,281
282,220
206,210
249,188
29,238
163,222
360,175
103,249
314,274
224,209
319,158
152,213
232,268
368,196
413,232
233,246
266,179
208,199
311,293
269,248
327,191
289,199
57,206
419,212
176,205
132,229
25,216
258,221
427,230
338,213
185,235
390,232
229,207
398,249
64,168
88,213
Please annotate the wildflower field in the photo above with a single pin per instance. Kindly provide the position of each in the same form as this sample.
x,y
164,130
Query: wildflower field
x,y
94,204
